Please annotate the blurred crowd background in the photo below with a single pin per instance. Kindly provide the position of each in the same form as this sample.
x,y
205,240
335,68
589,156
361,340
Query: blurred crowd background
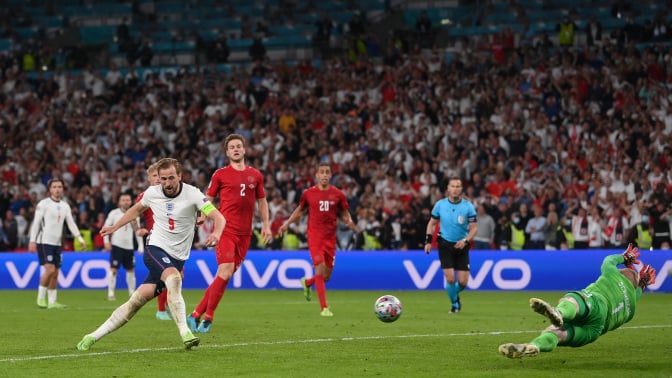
x,y
562,135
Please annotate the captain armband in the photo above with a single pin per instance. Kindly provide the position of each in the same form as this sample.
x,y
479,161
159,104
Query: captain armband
x,y
207,209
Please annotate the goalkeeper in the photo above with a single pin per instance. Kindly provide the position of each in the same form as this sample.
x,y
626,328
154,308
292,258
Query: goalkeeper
x,y
583,316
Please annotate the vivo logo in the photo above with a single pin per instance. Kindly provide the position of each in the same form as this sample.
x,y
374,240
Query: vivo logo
x,y
261,277
488,267
79,268
506,274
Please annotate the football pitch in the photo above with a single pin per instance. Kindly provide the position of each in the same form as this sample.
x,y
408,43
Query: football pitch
x,y
276,333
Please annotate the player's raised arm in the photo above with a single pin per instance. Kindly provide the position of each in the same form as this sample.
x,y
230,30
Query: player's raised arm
x,y
129,216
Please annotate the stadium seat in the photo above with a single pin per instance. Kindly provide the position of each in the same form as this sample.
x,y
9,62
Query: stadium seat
x,y
170,47
5,44
92,35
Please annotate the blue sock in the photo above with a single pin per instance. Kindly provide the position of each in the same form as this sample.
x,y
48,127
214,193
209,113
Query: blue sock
x,y
457,289
451,289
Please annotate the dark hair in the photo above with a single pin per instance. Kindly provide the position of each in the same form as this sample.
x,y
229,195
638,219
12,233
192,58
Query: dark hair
x,y
53,180
125,194
443,185
452,178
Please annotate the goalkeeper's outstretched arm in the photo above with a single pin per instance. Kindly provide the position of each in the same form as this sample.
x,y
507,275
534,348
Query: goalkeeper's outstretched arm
x,y
609,264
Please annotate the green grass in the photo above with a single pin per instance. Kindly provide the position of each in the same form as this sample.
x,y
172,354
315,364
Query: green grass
x,y
278,334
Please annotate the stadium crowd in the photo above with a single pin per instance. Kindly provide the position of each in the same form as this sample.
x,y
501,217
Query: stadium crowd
x,y
560,148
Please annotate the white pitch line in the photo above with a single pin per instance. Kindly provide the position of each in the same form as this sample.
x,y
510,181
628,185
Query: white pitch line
x,y
288,342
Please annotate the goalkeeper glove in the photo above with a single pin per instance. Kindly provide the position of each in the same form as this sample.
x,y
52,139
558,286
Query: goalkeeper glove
x,y
630,256
647,276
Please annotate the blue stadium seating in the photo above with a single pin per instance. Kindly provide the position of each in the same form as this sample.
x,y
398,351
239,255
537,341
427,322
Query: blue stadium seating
x,y
92,35
211,18
5,44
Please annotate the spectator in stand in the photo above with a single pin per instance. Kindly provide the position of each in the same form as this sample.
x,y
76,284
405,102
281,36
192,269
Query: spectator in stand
x,y
123,35
145,54
661,29
580,228
661,217
595,240
11,230
616,231
640,233
322,36
4,240
5,197
257,50
485,236
535,229
552,231
631,32
424,31
512,235
22,224
356,26
593,31
410,235
525,216
219,51
566,32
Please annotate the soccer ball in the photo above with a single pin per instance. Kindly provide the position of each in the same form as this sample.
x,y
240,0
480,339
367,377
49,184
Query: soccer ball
x,y
387,308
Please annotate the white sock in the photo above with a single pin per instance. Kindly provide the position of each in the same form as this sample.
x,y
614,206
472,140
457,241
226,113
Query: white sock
x,y
111,284
176,302
51,295
120,316
41,292
130,282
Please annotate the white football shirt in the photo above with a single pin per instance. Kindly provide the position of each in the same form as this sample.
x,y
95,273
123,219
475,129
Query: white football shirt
x,y
174,218
47,227
123,237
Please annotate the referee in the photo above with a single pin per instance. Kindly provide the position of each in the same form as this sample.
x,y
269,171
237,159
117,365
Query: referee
x,y
457,227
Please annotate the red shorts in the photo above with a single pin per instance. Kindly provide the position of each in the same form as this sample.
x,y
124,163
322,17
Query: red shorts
x,y
232,249
323,251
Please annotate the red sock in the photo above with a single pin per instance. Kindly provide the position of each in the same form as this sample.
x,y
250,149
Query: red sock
x,y
310,281
162,299
321,290
217,288
202,305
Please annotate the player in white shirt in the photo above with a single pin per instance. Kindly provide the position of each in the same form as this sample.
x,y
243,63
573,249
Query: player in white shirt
x,y
175,207
46,238
120,246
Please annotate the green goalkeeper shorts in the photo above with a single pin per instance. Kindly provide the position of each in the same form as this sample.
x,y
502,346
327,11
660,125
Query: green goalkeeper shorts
x,y
587,327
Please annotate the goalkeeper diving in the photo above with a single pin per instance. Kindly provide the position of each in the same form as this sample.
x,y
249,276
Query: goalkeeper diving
x,y
581,317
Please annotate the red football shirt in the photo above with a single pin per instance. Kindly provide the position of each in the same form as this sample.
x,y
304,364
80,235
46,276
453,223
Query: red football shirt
x,y
238,193
324,208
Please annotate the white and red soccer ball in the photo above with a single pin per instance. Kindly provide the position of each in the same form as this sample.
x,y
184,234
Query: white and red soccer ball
x,y
387,308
